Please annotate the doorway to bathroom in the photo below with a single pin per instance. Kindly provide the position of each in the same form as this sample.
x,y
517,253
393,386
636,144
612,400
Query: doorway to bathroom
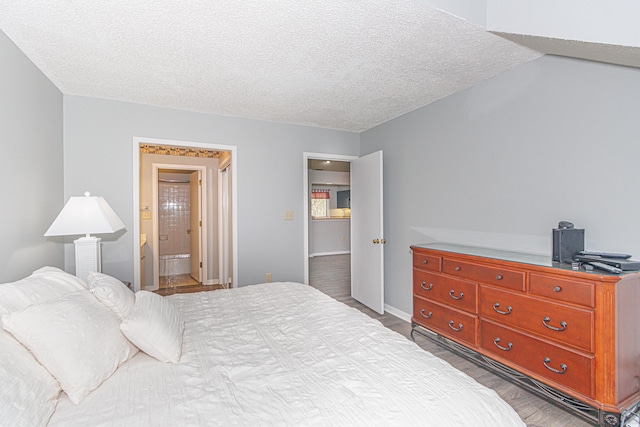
x,y
181,193
186,216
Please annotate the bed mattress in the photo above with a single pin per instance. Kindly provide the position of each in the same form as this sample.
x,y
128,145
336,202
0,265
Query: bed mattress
x,y
283,354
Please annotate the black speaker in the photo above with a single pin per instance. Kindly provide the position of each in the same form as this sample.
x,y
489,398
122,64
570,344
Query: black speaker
x,y
567,242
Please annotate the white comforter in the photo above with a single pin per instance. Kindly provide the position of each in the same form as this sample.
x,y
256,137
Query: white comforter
x,y
285,354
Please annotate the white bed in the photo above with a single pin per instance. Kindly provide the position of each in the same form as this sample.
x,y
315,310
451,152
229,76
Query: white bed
x,y
285,354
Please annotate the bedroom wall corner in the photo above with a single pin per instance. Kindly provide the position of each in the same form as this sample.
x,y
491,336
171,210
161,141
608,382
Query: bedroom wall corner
x,y
31,164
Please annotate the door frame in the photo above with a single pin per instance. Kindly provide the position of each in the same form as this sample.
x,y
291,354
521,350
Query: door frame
x,y
306,156
137,141
203,230
224,236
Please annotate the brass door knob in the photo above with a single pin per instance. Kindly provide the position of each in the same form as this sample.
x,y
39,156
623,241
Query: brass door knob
x,y
376,241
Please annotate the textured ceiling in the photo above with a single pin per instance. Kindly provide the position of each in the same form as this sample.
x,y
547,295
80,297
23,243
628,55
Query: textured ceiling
x,y
346,64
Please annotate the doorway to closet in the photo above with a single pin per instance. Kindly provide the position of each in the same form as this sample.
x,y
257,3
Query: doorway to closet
x,y
185,215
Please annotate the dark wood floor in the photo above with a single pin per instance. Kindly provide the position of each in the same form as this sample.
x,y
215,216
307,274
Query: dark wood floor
x,y
331,275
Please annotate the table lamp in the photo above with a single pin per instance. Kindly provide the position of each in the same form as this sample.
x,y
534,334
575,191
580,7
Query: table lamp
x,y
86,215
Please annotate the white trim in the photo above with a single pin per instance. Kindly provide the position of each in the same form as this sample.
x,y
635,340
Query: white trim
x,y
306,156
329,253
398,313
136,196
223,237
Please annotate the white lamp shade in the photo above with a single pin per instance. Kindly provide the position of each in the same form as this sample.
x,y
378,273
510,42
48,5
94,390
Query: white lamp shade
x,y
85,215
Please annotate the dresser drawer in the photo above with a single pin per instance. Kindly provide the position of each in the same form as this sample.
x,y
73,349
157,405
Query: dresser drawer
x,y
447,290
449,322
427,262
562,366
567,325
567,290
492,275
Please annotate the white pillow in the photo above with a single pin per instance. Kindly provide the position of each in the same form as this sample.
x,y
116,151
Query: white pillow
x,y
43,285
155,326
28,394
75,337
112,293
60,276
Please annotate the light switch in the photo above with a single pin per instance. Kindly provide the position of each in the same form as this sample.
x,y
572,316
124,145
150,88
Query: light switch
x,y
288,215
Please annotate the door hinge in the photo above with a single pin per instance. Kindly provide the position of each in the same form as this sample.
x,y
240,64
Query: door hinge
x,y
200,224
200,264
199,182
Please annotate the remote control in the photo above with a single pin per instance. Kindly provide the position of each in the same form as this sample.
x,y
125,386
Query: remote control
x,y
606,267
605,254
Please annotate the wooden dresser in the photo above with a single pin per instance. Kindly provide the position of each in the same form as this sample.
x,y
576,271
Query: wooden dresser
x,y
571,336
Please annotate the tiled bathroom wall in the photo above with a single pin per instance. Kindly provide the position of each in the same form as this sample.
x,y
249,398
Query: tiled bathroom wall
x,y
173,218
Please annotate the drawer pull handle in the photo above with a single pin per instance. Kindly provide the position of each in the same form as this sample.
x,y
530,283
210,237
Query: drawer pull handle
x,y
424,261
458,329
507,348
451,294
563,325
457,268
495,308
557,289
499,277
422,285
562,370
427,316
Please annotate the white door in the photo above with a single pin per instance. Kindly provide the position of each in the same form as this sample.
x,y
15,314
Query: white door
x,y
195,194
367,232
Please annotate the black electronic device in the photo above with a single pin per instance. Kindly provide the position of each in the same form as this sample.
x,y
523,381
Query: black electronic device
x,y
605,254
622,264
567,242
606,267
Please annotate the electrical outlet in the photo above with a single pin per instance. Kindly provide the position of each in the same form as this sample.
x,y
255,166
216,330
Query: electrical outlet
x,y
268,278
146,215
288,215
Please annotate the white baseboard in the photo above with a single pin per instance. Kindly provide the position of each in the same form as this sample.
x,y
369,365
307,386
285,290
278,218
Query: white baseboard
x,y
398,313
329,253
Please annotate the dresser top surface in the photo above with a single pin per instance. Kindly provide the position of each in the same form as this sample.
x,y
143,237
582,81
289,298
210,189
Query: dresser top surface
x,y
491,253
519,257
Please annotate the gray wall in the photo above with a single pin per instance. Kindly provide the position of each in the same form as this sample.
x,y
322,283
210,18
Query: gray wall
x,y
500,164
98,157
31,169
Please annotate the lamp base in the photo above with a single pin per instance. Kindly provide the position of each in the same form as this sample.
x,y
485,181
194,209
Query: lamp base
x,y
88,256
